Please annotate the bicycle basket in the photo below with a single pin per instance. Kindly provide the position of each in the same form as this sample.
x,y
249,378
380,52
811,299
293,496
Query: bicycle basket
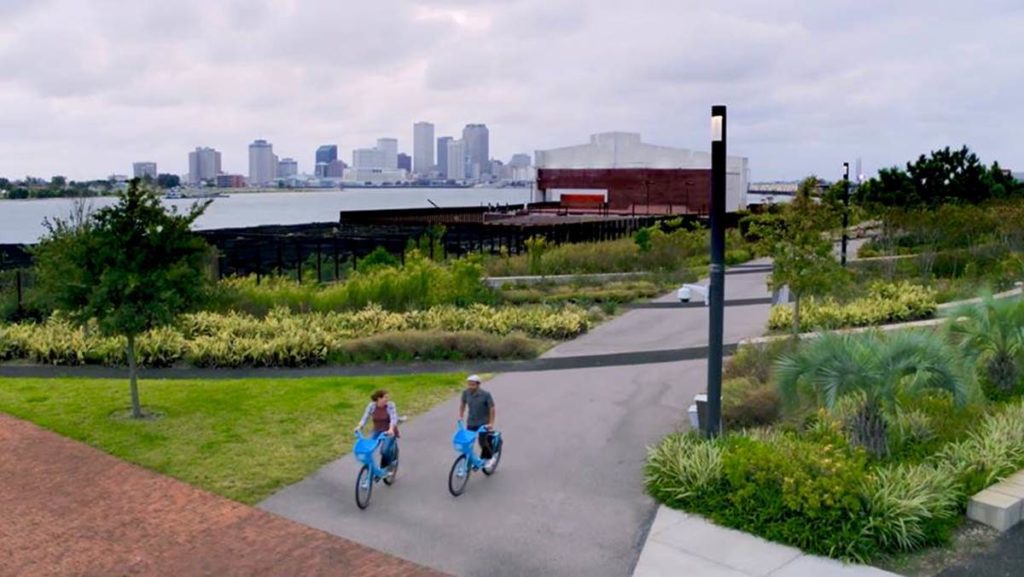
x,y
463,441
364,449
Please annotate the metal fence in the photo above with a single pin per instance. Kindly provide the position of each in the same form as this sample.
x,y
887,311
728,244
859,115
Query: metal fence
x,y
327,251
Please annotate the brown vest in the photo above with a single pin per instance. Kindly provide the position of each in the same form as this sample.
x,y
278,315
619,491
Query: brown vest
x,y
381,419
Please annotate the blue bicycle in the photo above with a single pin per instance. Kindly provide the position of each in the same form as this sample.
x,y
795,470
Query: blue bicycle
x,y
364,450
467,461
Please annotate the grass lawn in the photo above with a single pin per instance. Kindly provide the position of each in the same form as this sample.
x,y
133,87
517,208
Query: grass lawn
x,y
243,439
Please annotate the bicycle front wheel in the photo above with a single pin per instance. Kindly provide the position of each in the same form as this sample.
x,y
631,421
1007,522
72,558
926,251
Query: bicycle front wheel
x,y
364,487
459,476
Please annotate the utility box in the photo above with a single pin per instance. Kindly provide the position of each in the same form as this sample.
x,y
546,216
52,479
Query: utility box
x,y
781,296
698,411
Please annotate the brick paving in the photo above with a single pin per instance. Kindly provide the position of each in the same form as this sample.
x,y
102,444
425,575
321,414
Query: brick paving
x,y
69,509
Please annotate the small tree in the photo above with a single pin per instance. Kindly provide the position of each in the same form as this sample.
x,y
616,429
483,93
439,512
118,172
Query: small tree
x,y
797,240
991,337
879,368
132,267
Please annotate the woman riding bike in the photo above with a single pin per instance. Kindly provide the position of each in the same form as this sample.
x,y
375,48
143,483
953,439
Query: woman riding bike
x,y
385,421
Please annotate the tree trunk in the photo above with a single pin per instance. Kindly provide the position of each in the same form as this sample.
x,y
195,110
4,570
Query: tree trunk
x,y
133,380
870,429
796,314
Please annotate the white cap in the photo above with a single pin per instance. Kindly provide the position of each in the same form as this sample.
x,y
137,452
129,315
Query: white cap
x,y
473,378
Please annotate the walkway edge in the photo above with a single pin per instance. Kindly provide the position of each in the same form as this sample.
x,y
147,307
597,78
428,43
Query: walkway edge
x,y
680,543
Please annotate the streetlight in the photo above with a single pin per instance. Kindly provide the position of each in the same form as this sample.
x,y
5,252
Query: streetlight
x,y
716,291
846,207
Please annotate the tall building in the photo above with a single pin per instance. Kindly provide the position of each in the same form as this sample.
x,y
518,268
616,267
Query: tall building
x,y
520,160
368,159
519,168
389,146
262,163
442,155
456,160
287,167
404,162
144,169
478,158
325,155
336,169
230,181
423,148
203,165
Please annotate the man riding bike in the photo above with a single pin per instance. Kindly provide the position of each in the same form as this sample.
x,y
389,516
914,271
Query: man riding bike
x,y
481,416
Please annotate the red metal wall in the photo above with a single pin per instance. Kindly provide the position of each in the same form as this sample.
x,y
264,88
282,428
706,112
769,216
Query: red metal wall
x,y
685,190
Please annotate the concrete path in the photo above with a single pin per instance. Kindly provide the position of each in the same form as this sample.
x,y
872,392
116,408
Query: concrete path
x,y
568,498
678,540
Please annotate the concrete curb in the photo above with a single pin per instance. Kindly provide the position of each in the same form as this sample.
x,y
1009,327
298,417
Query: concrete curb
x,y
677,540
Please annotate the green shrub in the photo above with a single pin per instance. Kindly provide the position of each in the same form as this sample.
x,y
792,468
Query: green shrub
x,y
990,453
380,257
748,403
910,506
885,303
421,283
757,361
796,492
583,295
682,467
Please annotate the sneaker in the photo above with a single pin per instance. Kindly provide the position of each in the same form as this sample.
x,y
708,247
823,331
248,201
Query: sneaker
x,y
490,463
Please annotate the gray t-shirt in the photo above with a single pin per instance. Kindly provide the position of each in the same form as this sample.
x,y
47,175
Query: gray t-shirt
x,y
479,404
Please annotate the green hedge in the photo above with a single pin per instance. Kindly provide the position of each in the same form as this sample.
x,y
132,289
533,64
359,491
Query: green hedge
x,y
885,303
813,491
285,339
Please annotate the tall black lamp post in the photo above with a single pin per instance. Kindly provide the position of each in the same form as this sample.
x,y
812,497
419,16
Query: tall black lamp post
x,y
716,292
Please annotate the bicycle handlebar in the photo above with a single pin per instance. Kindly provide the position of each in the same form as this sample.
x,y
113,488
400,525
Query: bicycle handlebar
x,y
462,425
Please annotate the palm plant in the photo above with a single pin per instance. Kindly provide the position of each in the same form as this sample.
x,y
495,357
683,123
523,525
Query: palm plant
x,y
991,335
878,368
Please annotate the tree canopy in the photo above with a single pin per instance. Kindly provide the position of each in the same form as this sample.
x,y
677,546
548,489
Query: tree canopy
x,y
944,176
131,267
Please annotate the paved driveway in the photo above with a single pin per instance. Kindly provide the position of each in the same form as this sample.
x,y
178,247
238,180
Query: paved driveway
x,y
568,498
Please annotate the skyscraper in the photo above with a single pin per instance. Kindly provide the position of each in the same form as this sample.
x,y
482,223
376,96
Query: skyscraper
x,y
456,160
287,167
423,148
144,169
325,155
477,140
203,165
368,159
404,162
262,163
442,155
389,146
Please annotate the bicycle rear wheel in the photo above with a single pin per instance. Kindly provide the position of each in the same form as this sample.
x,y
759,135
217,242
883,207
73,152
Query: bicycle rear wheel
x,y
458,477
389,479
364,487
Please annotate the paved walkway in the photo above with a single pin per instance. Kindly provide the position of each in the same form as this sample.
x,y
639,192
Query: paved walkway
x,y
681,544
568,498
1004,559
69,509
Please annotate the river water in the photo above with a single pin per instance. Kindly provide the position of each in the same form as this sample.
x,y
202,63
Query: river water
x,y
21,221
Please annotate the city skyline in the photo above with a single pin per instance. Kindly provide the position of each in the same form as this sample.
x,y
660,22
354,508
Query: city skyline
x,y
93,86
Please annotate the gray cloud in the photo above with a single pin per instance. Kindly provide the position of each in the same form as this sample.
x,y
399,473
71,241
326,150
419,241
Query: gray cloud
x,y
91,85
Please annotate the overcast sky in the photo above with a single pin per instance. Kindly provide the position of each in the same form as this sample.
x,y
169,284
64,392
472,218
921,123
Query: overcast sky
x,y
89,86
